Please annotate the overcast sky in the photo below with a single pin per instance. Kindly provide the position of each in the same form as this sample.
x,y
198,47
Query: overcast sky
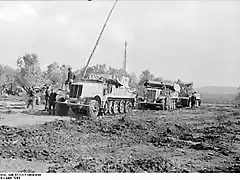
x,y
195,41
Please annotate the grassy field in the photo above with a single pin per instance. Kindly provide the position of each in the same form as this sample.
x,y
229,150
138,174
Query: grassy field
x,y
218,98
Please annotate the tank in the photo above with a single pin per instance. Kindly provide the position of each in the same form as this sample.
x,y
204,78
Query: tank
x,y
96,96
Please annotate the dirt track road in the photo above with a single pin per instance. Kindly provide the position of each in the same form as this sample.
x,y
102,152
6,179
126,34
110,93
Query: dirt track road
x,y
201,140
32,117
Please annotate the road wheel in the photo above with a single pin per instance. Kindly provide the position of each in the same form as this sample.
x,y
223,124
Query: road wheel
x,y
61,109
121,107
93,109
128,107
116,107
174,105
111,103
106,107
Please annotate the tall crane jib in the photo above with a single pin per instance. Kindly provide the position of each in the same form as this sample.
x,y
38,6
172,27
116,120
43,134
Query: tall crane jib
x,y
98,39
125,57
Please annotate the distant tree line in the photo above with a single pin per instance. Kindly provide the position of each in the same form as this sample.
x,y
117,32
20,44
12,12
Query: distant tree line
x,y
28,73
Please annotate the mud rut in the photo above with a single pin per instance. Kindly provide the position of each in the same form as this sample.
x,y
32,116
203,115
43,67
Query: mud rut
x,y
202,140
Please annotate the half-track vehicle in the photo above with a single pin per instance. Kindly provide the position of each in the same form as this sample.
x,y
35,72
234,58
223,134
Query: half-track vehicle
x,y
158,95
185,93
94,97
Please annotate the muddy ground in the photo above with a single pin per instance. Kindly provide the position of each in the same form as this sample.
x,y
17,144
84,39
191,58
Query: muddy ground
x,y
206,139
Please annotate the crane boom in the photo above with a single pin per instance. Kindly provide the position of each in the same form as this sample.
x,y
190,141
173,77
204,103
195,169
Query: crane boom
x,y
99,37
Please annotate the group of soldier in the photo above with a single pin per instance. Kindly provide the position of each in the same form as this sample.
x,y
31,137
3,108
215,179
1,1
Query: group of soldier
x,y
50,94
50,98
9,90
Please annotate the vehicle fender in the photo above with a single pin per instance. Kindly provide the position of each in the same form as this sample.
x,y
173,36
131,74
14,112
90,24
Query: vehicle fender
x,y
97,98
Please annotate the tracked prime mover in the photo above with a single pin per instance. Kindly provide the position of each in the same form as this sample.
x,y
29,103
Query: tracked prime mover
x,y
185,93
158,95
96,97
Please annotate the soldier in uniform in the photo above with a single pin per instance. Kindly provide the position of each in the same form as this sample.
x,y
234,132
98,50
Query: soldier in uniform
x,y
46,97
52,100
193,100
30,97
168,102
71,77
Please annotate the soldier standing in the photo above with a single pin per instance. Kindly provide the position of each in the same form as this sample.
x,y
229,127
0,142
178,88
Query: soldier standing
x,y
71,77
31,97
193,100
168,102
52,100
46,98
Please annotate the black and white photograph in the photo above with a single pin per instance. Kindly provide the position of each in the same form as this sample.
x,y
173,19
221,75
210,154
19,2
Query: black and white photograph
x,y
119,86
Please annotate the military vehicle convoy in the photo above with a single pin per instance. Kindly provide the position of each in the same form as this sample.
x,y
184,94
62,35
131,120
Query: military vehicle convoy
x,y
167,95
101,94
110,95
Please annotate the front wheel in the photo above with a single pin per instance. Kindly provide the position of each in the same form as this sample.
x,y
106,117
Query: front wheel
x,y
116,107
93,109
121,107
106,107
111,105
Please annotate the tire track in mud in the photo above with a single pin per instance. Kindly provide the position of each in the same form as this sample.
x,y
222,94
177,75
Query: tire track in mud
x,y
85,145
